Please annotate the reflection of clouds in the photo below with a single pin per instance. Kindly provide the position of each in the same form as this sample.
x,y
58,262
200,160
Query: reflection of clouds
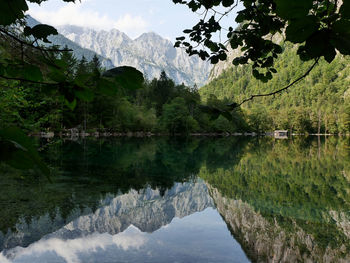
x,y
70,250
130,238
3,259
189,239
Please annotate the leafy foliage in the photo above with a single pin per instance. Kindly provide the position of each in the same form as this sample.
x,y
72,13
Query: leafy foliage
x,y
17,150
25,62
319,27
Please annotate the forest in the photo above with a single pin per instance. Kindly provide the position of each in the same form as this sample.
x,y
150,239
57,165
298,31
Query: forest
x,y
318,104
159,105
45,88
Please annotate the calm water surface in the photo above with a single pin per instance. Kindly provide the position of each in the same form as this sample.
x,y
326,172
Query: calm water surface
x,y
180,200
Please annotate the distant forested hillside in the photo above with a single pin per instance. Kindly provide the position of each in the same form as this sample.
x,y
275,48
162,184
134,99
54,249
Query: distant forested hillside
x,y
318,104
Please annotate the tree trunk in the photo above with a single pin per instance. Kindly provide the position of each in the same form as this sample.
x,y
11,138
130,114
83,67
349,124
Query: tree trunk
x,y
319,122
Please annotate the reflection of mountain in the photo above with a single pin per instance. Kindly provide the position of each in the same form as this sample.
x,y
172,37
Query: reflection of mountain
x,y
277,240
146,209
286,203
91,168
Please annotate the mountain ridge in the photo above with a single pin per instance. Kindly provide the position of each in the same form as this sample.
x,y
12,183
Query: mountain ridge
x,y
150,53
78,51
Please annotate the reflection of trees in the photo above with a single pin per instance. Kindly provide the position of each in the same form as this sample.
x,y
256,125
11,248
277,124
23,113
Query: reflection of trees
x,y
288,192
87,170
295,190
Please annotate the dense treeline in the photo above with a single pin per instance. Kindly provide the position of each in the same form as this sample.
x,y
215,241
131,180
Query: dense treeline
x,y
159,106
318,104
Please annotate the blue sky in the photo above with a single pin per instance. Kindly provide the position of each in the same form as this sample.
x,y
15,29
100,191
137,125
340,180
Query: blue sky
x,y
132,17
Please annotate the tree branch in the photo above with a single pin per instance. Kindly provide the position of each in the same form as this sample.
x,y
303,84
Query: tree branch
x,y
31,45
283,89
27,80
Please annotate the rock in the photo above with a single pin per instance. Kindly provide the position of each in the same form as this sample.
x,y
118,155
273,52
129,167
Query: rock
x,y
149,53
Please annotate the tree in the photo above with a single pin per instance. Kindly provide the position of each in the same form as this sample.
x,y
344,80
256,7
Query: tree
x,y
320,28
176,118
27,57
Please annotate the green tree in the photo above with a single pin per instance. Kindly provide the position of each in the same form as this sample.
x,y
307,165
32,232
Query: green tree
x,y
176,118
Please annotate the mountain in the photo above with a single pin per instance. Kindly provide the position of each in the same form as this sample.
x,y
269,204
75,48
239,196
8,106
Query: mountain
x,y
225,65
149,53
78,51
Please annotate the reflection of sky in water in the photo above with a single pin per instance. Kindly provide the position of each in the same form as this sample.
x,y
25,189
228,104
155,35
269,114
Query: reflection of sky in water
x,y
200,237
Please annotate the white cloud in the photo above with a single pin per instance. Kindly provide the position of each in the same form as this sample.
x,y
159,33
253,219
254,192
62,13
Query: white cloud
x,y
76,14
46,250
131,238
3,259
132,25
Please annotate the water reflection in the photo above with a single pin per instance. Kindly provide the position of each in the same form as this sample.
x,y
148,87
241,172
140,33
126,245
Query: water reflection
x,y
208,242
180,226
287,202
159,200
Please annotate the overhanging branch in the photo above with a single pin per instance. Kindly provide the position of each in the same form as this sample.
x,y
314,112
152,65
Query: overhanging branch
x,y
283,89
27,80
22,42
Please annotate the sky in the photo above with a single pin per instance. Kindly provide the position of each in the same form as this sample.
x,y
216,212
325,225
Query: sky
x,y
132,17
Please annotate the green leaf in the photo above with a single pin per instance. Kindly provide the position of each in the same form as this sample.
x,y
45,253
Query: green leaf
x,y
345,9
268,62
107,87
268,75
227,3
342,44
71,105
293,9
82,79
42,31
342,27
126,77
256,74
214,60
26,71
317,44
340,39
20,151
32,72
84,94
56,74
227,115
299,30
330,55
240,17
11,10
223,56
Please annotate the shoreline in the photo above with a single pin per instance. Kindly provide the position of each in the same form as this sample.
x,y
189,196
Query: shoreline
x,y
83,134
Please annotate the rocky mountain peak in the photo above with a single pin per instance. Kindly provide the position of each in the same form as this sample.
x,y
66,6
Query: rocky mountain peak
x,y
150,53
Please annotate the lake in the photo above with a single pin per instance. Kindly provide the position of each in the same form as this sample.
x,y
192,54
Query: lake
x,y
231,199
